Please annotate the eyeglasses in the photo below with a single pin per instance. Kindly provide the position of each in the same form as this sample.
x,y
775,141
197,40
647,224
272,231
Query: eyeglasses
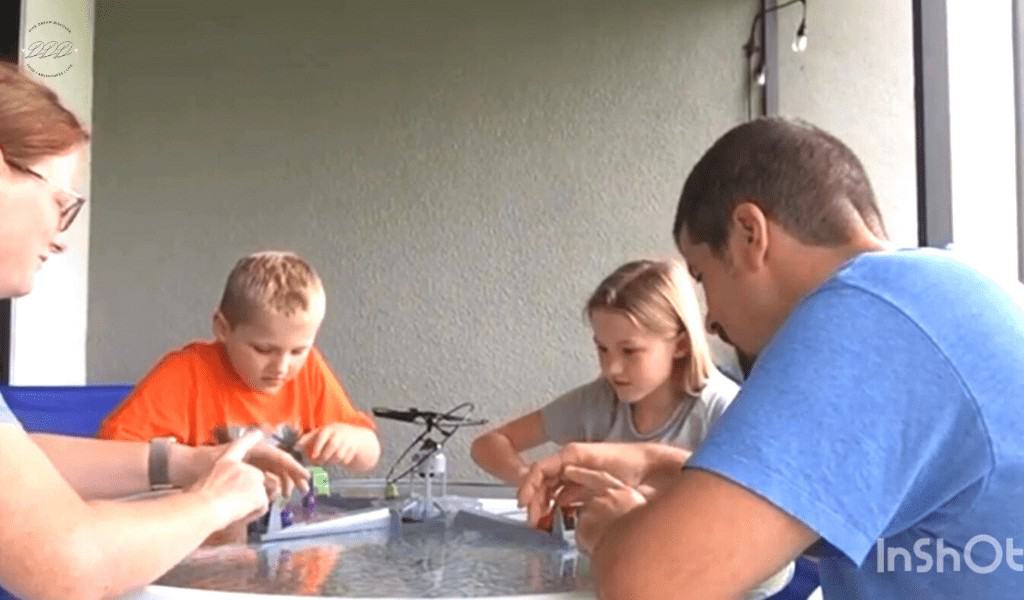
x,y
68,210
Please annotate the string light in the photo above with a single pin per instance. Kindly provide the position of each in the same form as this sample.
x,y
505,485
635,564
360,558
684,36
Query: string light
x,y
752,49
800,41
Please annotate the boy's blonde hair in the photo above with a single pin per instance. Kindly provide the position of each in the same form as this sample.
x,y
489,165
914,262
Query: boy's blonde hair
x,y
657,295
278,282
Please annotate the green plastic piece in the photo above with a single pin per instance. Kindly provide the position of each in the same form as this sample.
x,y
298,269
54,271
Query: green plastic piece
x,y
321,481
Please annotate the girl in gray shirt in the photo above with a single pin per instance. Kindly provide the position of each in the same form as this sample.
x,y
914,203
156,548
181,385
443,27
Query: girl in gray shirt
x,y
657,381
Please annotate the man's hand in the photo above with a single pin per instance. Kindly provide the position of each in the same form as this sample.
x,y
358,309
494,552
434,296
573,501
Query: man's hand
x,y
635,465
702,537
539,487
604,499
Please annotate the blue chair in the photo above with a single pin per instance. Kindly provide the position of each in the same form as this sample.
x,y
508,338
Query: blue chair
x,y
67,410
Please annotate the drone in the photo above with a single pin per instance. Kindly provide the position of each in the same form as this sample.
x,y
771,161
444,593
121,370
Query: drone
x,y
428,460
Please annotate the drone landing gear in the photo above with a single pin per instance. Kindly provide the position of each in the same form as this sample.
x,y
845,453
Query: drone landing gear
x,y
431,465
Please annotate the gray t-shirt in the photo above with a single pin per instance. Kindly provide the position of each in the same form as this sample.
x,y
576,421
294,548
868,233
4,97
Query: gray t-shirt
x,y
6,416
592,413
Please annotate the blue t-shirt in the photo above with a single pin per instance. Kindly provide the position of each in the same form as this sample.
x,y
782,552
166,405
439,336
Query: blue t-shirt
x,y
887,414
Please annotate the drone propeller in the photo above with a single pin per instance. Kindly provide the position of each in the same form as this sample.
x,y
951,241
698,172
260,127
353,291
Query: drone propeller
x,y
408,416
426,417
446,424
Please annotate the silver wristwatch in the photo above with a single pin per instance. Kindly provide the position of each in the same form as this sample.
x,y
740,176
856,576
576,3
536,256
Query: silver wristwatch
x,y
159,463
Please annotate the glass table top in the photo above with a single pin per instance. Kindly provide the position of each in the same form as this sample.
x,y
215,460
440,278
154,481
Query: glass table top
x,y
443,558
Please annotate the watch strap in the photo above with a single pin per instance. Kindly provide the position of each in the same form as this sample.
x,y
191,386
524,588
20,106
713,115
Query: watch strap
x,y
159,463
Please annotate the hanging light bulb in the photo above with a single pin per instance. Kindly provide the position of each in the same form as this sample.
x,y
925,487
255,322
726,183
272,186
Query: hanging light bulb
x,y
800,41
762,76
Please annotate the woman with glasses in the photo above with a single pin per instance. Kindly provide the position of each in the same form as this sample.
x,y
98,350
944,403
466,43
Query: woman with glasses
x,y
61,535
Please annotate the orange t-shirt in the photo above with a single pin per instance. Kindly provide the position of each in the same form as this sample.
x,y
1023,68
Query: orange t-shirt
x,y
193,390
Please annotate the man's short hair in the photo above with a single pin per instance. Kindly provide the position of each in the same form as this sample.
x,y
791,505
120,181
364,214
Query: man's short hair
x,y
800,176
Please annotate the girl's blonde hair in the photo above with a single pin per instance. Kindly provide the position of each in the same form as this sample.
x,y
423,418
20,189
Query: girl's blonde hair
x,y
657,295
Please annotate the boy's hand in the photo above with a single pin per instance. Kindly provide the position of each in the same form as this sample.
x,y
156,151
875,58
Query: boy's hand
x,y
283,472
333,443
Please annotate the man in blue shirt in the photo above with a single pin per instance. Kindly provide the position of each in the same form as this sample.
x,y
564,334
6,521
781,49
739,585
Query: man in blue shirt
x,y
881,424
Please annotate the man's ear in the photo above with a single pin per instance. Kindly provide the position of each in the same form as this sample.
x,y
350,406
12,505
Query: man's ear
x,y
748,238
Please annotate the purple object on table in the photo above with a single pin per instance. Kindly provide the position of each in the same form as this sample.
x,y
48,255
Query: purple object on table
x,y
309,502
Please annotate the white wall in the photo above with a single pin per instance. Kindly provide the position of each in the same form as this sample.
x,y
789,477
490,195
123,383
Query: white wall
x,y
48,329
856,80
982,135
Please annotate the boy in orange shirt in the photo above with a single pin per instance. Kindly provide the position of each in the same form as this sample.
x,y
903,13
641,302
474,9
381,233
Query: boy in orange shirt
x,y
261,370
